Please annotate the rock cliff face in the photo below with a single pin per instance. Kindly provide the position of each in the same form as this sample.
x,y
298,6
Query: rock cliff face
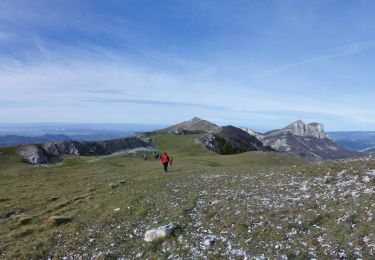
x,y
299,128
305,140
52,152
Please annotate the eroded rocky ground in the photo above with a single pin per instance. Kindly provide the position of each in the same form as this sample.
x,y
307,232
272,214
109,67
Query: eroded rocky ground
x,y
320,211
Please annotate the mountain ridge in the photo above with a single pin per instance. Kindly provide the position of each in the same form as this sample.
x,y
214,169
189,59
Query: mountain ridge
x,y
308,141
53,151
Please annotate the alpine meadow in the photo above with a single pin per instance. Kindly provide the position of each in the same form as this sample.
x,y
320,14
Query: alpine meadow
x,y
177,129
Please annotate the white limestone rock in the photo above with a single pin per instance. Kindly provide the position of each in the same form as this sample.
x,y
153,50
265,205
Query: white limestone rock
x,y
159,233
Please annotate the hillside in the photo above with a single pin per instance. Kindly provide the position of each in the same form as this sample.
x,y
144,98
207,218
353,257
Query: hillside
x,y
232,140
251,204
219,139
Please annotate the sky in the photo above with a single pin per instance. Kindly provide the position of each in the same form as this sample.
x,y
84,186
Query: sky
x,y
258,64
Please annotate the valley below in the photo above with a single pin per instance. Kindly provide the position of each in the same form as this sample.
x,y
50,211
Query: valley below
x,y
253,205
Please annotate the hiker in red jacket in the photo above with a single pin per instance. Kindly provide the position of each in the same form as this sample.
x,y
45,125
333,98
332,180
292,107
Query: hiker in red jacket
x,y
165,161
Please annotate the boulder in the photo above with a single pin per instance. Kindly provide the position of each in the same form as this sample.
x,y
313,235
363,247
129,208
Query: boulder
x,y
159,233
33,154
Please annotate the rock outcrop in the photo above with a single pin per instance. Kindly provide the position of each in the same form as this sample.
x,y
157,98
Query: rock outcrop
x,y
52,152
299,128
305,140
33,154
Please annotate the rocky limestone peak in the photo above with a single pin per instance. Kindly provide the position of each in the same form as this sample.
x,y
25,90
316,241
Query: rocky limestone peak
x,y
195,124
299,128
196,119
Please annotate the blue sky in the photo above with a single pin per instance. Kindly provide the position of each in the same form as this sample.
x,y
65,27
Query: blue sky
x,y
260,64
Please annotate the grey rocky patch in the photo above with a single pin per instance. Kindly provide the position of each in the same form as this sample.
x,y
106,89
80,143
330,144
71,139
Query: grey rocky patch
x,y
208,140
208,241
139,255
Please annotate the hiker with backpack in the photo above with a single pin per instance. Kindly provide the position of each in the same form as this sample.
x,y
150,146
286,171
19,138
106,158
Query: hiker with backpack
x,y
165,161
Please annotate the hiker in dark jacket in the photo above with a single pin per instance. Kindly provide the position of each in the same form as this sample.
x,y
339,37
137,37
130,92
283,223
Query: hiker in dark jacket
x,y
165,161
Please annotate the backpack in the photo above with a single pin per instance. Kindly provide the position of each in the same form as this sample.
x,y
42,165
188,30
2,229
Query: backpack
x,y
164,158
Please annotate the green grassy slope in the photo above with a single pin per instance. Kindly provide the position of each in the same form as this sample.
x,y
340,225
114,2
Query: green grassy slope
x,y
85,191
187,149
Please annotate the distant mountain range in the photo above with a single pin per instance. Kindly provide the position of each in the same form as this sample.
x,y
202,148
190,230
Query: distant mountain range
x,y
357,140
308,141
299,139
73,129
14,140
21,134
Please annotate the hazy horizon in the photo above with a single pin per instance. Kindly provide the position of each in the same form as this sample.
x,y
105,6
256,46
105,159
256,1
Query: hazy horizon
x,y
257,64
42,127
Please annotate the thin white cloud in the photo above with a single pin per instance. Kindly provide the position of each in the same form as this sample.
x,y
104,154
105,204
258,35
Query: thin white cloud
x,y
102,88
341,51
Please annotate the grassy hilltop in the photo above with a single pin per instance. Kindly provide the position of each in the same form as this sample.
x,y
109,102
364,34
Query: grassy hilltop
x,y
251,204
